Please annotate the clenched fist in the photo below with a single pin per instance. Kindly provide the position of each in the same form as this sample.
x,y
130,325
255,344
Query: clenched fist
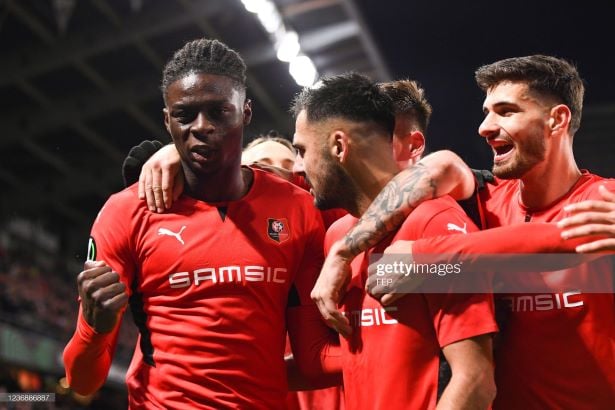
x,y
102,294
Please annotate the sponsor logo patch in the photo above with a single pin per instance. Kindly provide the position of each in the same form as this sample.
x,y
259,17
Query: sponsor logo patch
x,y
277,229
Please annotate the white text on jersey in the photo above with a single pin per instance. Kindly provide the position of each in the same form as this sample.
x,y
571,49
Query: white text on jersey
x,y
229,274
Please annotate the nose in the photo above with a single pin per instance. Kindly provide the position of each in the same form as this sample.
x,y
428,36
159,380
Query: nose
x,y
298,165
488,128
202,126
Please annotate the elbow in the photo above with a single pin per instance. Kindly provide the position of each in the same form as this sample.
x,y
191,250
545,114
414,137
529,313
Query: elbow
x,y
481,386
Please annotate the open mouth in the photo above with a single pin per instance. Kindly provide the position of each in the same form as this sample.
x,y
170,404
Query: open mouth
x,y
502,151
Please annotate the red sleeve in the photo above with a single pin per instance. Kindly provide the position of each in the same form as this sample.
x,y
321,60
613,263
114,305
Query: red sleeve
x,y
476,248
458,316
315,346
88,355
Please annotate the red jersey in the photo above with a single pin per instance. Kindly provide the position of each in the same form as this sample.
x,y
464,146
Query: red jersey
x,y
209,288
556,350
392,359
559,354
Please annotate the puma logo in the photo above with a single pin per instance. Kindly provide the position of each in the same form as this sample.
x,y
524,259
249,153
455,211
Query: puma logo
x,y
453,227
178,235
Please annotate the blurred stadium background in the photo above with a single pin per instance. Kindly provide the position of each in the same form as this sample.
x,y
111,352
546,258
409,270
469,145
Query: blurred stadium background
x,y
79,86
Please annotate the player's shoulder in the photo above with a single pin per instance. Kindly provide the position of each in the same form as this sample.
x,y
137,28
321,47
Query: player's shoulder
x,y
426,210
589,183
277,187
338,229
126,200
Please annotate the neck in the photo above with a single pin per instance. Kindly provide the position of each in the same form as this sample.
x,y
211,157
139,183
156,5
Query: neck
x,y
225,185
550,180
370,178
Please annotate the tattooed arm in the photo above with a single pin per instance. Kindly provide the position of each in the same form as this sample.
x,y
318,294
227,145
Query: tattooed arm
x,y
438,174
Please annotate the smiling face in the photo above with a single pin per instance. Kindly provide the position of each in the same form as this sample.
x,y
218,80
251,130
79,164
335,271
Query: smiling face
x,y
516,127
205,115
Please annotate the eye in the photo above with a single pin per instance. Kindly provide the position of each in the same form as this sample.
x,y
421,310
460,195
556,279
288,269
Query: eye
x,y
183,116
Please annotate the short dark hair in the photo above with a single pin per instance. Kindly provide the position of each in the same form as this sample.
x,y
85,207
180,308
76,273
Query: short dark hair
x,y
545,75
204,56
409,98
349,96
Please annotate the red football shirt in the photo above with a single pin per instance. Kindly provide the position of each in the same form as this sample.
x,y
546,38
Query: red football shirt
x,y
555,350
391,360
209,286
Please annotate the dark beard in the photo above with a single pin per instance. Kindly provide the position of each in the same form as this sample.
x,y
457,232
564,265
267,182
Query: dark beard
x,y
340,193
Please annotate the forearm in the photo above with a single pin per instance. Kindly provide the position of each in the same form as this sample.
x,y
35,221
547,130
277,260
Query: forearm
x,y
87,358
481,250
315,347
438,174
465,391
297,380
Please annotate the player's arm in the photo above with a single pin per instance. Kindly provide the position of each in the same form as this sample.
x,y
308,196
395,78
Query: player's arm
x,y
472,384
88,355
158,171
437,174
315,347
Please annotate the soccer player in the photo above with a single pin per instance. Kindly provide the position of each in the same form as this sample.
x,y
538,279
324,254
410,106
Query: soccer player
x,y
557,348
213,282
343,136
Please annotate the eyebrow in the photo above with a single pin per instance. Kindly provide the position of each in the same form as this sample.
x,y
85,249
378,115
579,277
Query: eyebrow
x,y
501,104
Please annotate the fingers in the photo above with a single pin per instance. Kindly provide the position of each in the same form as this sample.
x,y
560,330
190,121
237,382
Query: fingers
x,y
157,189
586,218
178,188
167,183
590,205
589,229
602,245
333,317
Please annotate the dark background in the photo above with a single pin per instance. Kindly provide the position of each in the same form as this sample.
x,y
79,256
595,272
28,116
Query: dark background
x,y
73,100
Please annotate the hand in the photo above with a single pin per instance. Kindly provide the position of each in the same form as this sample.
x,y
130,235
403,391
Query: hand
x,y
589,218
162,180
329,288
389,287
102,294
131,167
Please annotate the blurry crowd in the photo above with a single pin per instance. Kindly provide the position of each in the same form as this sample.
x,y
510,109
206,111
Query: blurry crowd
x,y
42,298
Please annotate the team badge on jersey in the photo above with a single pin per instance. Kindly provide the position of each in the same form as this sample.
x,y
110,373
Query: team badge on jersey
x,y
277,229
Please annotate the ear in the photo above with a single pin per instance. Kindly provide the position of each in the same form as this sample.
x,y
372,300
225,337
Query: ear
x,y
559,118
339,145
167,119
247,111
416,144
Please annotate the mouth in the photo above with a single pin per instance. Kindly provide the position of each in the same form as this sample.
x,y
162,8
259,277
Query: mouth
x,y
201,153
502,150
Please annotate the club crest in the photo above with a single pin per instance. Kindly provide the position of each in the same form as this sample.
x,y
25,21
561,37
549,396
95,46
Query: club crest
x,y
277,229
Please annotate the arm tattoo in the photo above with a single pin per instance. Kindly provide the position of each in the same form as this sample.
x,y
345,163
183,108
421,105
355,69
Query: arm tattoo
x,y
390,208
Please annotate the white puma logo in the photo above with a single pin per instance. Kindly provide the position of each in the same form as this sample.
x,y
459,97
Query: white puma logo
x,y
453,227
178,235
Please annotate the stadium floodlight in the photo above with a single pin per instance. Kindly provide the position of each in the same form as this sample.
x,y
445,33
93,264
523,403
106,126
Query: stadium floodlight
x,y
269,17
288,47
253,6
302,70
